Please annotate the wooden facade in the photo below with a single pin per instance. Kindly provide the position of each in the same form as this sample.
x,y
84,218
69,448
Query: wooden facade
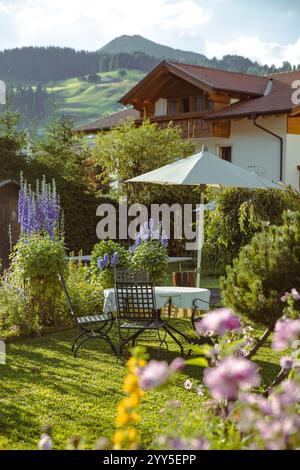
x,y
294,125
9,226
186,104
193,126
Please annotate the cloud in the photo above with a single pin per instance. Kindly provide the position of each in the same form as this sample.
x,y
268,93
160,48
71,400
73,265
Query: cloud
x,y
252,47
91,23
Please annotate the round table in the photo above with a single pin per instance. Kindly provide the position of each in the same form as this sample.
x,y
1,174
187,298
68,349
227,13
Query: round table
x,y
179,297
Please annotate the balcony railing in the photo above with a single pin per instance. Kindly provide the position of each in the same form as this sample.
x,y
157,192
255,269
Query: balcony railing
x,y
192,125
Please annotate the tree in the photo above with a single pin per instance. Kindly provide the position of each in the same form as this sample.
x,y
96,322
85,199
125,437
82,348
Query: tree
x,y
264,270
239,214
129,151
63,151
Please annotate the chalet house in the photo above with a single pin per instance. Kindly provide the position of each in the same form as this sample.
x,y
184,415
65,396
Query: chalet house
x,y
248,120
9,226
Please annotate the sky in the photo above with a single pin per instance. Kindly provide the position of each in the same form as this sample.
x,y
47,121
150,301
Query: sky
x,y
264,30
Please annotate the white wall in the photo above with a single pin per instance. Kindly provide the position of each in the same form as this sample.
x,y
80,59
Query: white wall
x,y
254,149
293,160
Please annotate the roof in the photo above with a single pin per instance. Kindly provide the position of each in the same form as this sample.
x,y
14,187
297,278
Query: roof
x,y
277,101
107,122
287,77
223,80
206,78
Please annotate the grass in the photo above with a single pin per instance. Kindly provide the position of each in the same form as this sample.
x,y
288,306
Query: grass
x,y
83,101
42,383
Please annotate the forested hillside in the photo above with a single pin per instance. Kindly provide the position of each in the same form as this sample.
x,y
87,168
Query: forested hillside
x,y
83,85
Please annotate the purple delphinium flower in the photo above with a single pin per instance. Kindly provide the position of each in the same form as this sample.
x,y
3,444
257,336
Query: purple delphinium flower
x,y
178,364
218,322
164,240
154,374
39,210
229,377
106,259
286,332
115,260
101,264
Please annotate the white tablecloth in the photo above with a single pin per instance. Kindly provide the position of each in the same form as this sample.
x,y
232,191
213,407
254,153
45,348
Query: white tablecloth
x,y
181,297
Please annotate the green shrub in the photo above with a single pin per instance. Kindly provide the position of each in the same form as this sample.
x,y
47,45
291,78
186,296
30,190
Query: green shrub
x,y
85,292
109,247
36,261
15,316
264,270
152,255
240,213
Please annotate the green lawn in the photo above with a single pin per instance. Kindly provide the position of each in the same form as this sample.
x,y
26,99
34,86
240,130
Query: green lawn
x,y
42,383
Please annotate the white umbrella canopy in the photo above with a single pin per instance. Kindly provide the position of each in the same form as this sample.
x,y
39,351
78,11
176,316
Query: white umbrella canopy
x,y
204,169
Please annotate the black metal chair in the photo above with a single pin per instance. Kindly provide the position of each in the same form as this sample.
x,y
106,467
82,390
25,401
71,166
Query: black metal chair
x,y
136,306
91,327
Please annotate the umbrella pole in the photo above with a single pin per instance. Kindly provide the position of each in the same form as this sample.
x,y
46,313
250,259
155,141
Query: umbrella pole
x,y
200,233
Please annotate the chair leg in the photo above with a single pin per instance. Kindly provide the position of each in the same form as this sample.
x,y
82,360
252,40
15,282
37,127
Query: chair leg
x,y
128,340
76,339
175,339
95,336
180,333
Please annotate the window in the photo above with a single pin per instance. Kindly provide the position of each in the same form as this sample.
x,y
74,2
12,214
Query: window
x,y
197,103
185,105
225,153
172,106
202,103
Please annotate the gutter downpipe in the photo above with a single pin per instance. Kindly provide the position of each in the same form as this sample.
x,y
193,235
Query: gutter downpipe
x,y
254,119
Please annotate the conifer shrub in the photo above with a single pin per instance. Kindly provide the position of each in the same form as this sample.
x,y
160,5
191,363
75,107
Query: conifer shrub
x,y
264,270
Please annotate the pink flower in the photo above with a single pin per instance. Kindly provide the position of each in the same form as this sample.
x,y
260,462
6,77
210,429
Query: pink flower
x,y
154,374
286,363
218,322
45,442
229,376
178,364
188,384
286,332
295,294
284,297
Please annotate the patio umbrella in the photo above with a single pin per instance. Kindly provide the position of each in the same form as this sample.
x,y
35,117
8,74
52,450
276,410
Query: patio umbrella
x,y
204,169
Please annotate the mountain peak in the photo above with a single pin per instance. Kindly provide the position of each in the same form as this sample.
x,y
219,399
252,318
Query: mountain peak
x,y
136,43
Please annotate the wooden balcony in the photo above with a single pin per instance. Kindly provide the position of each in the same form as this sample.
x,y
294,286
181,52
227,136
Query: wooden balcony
x,y
193,126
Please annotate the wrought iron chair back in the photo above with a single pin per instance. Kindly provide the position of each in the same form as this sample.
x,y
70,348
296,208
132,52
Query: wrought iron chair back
x,y
135,295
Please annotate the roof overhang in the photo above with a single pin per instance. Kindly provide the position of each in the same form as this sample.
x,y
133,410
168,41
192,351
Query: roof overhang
x,y
249,115
176,70
157,72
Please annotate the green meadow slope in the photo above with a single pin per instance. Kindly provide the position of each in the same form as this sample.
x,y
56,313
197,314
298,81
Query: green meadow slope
x,y
83,101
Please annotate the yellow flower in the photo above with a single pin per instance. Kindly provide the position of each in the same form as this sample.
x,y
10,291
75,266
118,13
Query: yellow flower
x,y
135,418
118,437
133,400
123,405
132,434
130,383
122,419
132,363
